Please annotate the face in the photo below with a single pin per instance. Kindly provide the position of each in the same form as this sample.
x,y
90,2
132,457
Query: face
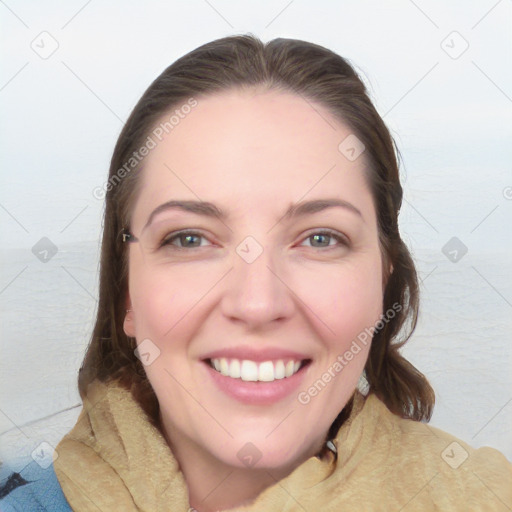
x,y
272,300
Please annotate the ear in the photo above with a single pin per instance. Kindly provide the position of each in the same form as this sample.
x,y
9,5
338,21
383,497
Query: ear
x,y
129,320
385,278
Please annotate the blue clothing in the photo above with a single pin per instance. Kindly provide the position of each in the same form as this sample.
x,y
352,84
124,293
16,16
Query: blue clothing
x,y
33,490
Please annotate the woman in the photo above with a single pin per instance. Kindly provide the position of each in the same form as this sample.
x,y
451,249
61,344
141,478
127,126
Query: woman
x,y
253,287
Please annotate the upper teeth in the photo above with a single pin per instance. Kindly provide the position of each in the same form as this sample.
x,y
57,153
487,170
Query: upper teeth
x,y
252,371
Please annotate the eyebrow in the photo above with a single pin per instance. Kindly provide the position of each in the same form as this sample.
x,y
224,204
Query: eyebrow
x,y
208,209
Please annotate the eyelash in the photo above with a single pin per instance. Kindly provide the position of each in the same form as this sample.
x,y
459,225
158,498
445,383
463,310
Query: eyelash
x,y
167,241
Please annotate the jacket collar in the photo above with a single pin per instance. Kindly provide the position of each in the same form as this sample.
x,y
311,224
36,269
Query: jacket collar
x,y
115,458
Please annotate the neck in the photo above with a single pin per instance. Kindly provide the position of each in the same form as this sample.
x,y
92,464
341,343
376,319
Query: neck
x,y
230,489
215,486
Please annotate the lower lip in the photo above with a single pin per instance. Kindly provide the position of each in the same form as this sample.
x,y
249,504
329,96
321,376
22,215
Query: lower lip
x,y
257,393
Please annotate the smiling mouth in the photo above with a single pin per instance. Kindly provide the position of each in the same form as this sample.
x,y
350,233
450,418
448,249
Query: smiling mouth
x,y
251,371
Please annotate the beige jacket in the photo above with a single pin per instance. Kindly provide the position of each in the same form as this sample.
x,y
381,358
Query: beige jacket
x,y
114,459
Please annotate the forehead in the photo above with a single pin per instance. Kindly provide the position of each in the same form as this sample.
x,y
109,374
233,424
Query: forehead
x,y
249,150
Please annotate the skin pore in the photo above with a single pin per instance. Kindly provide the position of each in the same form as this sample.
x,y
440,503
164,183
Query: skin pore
x,y
252,153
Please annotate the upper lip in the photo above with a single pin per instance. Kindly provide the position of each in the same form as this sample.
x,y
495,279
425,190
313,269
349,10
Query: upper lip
x,y
257,355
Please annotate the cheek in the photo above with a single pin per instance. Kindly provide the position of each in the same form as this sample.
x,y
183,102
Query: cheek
x,y
341,299
345,299
164,298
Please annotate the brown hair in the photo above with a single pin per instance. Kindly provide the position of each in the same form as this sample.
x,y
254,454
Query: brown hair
x,y
317,74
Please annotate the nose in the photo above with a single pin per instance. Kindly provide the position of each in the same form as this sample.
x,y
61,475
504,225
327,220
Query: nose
x,y
257,293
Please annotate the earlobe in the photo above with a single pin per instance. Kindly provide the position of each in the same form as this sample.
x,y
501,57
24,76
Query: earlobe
x,y
390,273
129,324
387,271
385,278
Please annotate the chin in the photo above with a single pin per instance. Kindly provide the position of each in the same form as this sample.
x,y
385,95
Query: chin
x,y
261,453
